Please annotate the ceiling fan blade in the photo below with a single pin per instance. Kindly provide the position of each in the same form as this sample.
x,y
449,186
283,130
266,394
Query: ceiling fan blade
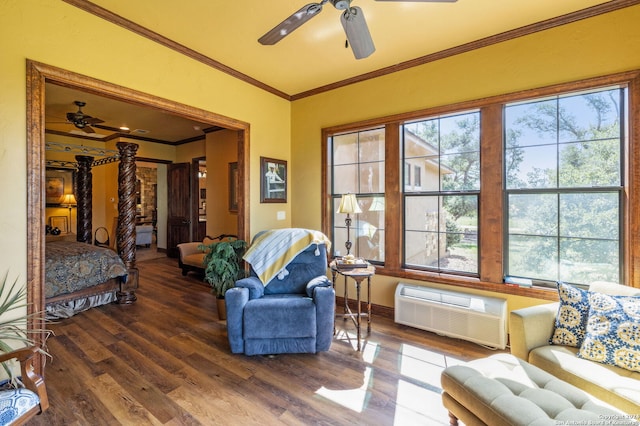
x,y
92,120
111,129
287,26
423,1
355,26
88,129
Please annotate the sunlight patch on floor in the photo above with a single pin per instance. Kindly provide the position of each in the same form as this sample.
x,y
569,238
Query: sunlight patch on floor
x,y
422,364
417,405
353,399
368,348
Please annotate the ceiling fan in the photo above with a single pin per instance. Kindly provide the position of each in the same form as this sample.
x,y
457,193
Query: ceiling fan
x,y
353,22
81,120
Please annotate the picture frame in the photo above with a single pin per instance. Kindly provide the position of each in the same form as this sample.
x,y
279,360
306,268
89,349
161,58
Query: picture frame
x,y
233,187
60,222
273,182
58,182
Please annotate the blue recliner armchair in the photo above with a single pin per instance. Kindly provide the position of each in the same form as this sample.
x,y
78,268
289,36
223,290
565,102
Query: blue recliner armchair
x,y
291,314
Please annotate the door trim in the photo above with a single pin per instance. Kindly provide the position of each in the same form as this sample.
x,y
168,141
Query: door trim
x,y
37,75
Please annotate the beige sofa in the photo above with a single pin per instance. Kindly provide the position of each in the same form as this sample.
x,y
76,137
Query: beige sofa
x,y
530,330
191,256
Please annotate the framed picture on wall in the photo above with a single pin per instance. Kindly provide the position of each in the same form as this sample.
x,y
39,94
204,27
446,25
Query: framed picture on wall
x,y
233,187
273,182
59,222
58,182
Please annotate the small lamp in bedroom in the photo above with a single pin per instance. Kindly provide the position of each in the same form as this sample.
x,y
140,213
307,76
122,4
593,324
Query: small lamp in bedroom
x,y
69,200
349,204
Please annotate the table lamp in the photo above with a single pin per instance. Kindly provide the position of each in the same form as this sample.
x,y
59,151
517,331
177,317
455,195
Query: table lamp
x,y
69,200
349,204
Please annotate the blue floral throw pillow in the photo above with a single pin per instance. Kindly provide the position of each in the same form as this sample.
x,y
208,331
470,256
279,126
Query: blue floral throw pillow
x,y
571,319
613,331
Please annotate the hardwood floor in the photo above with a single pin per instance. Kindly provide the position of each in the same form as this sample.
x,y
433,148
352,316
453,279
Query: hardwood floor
x,y
166,360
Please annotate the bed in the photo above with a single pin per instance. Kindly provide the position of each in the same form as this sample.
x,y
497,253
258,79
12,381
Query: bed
x,y
79,275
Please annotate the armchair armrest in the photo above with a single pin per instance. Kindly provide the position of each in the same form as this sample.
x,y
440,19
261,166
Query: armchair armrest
x,y
321,281
530,328
254,285
234,299
189,248
32,381
325,300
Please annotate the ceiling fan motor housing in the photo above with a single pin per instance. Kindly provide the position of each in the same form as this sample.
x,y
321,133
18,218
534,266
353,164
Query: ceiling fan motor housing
x,y
341,4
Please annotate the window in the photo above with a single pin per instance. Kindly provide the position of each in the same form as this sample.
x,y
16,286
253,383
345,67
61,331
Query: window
x,y
441,213
359,168
564,187
539,184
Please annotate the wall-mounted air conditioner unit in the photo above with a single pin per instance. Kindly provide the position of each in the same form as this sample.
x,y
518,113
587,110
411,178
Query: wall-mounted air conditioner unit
x,y
478,319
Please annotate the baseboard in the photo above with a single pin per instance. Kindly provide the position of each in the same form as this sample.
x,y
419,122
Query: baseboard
x,y
377,310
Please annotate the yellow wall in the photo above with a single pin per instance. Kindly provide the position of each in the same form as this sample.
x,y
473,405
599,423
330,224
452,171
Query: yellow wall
x,y
222,149
49,32
588,48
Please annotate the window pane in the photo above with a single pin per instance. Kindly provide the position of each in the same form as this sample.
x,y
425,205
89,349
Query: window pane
x,y
586,261
459,258
535,168
371,178
533,256
345,149
588,164
590,215
369,227
533,123
425,171
421,213
460,133
371,145
590,116
460,172
533,214
421,138
442,232
422,249
345,179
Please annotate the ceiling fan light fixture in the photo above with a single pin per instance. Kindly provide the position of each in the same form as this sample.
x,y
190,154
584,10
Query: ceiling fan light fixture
x,y
357,31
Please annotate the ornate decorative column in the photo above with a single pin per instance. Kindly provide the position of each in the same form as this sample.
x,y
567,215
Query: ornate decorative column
x,y
84,197
126,231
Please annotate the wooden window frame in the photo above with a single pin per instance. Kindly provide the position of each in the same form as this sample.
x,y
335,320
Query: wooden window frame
x,y
490,248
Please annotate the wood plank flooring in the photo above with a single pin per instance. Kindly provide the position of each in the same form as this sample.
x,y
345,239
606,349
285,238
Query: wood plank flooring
x,y
165,360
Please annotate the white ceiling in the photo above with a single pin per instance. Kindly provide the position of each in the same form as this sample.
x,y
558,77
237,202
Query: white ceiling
x,y
311,57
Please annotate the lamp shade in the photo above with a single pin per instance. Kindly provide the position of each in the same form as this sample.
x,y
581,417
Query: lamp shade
x,y
377,205
69,200
349,204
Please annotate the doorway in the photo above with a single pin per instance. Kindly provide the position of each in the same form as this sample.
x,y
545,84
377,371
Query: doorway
x,y
37,75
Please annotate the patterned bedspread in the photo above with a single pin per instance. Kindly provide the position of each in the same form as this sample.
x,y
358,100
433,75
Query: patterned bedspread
x,y
72,266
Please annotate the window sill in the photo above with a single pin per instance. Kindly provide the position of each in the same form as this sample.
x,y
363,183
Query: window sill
x,y
543,293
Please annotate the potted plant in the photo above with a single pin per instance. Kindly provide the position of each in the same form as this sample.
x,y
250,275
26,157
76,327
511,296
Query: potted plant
x,y
223,267
13,323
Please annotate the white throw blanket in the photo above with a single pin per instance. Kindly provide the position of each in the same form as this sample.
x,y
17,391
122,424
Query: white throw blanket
x,y
273,250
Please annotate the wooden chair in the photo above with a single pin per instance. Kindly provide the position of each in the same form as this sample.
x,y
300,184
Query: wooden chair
x,y
21,404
